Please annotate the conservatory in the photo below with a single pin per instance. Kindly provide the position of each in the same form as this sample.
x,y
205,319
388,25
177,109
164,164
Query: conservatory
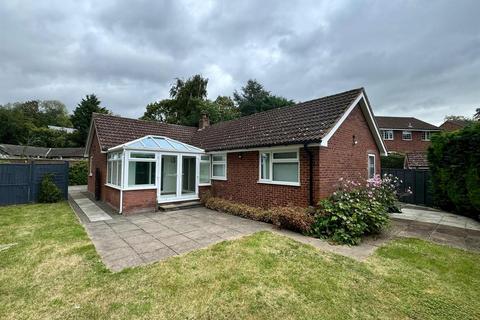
x,y
173,168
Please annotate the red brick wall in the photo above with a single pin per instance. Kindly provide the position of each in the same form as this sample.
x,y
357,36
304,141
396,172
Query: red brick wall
x,y
139,201
99,161
242,186
404,146
344,159
112,197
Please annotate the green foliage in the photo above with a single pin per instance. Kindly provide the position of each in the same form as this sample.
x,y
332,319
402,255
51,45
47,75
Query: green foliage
x,y
82,116
188,101
355,210
49,192
237,209
392,161
27,124
78,173
454,159
254,98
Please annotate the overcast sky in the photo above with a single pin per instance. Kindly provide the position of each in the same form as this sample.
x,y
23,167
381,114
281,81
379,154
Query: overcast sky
x,y
414,58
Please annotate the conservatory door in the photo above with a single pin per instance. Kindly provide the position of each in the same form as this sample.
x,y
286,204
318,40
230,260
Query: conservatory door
x,y
168,176
178,177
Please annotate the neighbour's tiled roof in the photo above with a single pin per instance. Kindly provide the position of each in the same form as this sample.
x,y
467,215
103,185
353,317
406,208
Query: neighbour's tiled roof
x,y
416,160
66,152
404,123
458,122
23,151
113,131
304,122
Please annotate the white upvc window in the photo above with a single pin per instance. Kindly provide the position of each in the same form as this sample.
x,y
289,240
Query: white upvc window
x,y
426,135
387,134
279,167
141,169
114,169
219,166
406,135
205,169
371,166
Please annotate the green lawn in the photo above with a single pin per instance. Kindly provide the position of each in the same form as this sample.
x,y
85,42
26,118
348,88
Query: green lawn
x,y
54,272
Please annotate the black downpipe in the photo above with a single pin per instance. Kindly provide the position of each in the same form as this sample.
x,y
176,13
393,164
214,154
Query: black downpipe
x,y
310,172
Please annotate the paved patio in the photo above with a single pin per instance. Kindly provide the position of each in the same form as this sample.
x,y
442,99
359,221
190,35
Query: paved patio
x,y
141,239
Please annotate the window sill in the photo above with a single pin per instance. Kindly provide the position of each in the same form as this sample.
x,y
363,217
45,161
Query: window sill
x,y
219,178
292,184
113,186
204,184
146,187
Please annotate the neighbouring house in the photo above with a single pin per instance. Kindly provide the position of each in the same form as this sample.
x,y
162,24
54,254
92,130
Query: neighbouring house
x,y
288,156
405,134
454,124
11,151
416,160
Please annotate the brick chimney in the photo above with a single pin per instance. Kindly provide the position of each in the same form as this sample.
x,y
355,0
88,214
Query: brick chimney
x,y
203,122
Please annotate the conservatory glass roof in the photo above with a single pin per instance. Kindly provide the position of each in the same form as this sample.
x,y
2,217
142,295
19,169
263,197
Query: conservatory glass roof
x,y
158,143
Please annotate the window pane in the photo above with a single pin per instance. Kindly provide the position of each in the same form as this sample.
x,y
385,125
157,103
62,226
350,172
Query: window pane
x,y
141,173
114,171
204,172
178,146
218,157
143,155
162,143
407,135
109,172
119,173
371,167
148,142
205,158
169,176
265,163
219,170
287,172
285,155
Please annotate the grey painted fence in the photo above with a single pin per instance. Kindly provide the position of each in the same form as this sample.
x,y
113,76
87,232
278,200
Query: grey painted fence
x,y
19,183
418,181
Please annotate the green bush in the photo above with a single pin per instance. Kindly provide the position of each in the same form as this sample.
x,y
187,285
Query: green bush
x,y
355,210
454,159
392,161
78,173
49,192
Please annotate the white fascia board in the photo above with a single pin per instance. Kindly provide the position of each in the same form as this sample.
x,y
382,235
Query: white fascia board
x,y
370,120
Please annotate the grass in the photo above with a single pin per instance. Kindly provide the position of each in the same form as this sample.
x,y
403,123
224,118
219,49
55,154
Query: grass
x,y
54,272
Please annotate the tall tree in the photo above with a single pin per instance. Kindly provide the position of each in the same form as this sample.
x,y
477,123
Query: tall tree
x,y
82,116
188,95
160,111
254,98
54,112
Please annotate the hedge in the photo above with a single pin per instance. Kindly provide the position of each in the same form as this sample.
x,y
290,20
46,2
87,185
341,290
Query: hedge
x,y
454,159
78,173
392,161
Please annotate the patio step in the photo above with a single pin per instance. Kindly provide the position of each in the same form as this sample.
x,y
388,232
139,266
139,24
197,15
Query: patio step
x,y
179,205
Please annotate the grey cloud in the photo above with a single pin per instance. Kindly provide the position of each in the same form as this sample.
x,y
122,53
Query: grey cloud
x,y
414,58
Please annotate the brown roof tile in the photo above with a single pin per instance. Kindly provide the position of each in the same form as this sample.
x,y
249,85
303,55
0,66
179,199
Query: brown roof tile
x,y
304,122
404,123
113,131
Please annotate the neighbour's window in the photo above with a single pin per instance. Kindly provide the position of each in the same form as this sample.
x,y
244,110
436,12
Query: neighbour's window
x,y
406,135
219,166
387,134
205,169
114,168
426,135
141,169
371,166
279,167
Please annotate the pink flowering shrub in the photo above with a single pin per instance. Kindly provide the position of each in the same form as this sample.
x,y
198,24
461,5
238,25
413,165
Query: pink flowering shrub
x,y
356,209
